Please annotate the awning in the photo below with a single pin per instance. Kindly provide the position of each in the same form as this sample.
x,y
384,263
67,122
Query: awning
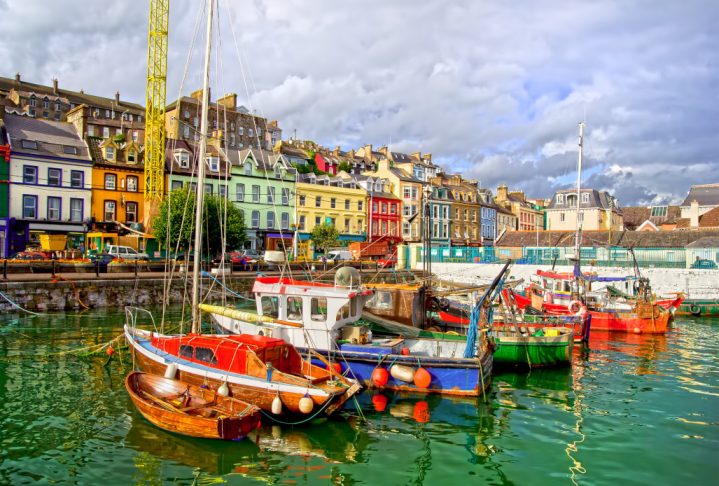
x,y
67,228
351,238
284,236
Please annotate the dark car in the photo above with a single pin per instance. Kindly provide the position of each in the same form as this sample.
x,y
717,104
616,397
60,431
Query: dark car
x,y
30,255
102,260
704,264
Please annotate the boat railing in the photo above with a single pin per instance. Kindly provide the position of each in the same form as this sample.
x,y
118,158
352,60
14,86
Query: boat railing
x,y
132,313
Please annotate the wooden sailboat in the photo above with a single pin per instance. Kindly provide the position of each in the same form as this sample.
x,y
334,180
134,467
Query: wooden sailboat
x,y
267,372
191,410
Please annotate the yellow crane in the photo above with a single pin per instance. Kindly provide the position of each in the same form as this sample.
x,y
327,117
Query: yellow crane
x,y
155,98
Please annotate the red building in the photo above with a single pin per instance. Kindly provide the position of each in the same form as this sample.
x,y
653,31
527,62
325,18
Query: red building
x,y
384,210
326,163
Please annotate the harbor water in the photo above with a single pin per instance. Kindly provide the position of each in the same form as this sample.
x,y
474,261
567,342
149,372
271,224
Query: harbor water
x,y
632,410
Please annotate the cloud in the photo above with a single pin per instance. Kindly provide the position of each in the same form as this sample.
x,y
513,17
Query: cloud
x,y
494,89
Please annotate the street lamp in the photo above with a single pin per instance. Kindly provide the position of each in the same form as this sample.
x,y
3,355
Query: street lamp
x,y
85,226
427,221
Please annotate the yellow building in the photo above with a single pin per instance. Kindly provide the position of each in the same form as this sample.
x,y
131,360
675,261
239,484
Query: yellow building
x,y
336,200
409,190
117,194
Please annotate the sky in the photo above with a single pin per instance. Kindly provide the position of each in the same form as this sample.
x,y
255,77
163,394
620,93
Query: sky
x,y
493,89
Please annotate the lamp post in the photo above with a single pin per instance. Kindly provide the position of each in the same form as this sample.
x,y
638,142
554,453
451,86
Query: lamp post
x,y
427,220
84,239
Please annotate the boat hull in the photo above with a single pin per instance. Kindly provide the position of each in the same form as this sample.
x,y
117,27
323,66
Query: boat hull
x,y
233,421
260,392
533,351
630,322
699,308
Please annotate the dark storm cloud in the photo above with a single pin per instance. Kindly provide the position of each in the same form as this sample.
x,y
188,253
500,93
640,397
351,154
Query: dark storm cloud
x,y
495,88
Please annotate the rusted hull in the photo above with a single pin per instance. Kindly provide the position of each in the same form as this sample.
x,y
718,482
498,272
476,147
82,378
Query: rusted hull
x,y
214,424
630,322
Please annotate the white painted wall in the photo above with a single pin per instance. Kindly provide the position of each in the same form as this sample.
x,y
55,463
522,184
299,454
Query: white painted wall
x,y
696,283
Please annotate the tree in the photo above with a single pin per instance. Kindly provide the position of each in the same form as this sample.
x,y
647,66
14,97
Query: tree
x,y
181,208
345,166
324,236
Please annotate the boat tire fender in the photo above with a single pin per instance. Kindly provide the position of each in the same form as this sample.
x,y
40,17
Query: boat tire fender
x,y
575,307
695,310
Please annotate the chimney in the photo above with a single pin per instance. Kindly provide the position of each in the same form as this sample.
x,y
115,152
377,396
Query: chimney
x,y
416,156
368,152
117,97
694,214
383,150
502,192
228,101
54,85
336,151
17,79
198,94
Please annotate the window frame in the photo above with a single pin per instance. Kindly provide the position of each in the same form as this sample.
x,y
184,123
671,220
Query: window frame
x,y
54,199
33,179
75,200
109,176
136,183
29,197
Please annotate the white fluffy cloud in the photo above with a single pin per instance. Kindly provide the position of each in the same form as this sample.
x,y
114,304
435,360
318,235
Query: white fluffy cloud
x,y
494,89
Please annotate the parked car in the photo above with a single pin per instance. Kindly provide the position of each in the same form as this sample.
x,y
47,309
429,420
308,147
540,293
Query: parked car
x,y
704,264
30,255
125,252
389,262
339,255
252,254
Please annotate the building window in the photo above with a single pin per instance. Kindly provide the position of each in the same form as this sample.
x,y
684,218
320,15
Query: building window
x,y
105,132
318,221
241,130
77,179
132,183
302,223
110,153
109,214
185,131
333,203
29,174
91,130
278,172
176,185
53,208
33,101
585,198
222,190
110,182
285,196
285,221
76,209
270,219
560,198
131,156
107,114
183,159
375,226
561,217
232,139
240,192
318,201
135,136
347,225
29,207
271,195
256,194
302,200
249,132
213,163
248,168
131,212
208,189
54,177
406,229
255,219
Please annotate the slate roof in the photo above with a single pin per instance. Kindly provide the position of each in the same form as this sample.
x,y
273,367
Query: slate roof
x,y
403,176
597,199
51,136
7,84
704,194
650,239
97,156
634,216
705,242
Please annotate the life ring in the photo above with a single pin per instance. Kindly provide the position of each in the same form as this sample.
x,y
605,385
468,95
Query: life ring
x,y
575,307
695,310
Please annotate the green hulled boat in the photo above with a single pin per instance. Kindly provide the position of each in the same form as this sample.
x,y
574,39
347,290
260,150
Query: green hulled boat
x,y
538,349
699,308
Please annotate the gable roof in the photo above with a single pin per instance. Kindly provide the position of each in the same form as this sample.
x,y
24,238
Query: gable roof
x,y
704,194
646,239
597,199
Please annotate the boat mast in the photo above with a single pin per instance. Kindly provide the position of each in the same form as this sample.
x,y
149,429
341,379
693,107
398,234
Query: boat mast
x,y
200,192
577,236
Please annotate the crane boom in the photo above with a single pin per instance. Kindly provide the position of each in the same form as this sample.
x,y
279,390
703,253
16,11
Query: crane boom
x,y
155,106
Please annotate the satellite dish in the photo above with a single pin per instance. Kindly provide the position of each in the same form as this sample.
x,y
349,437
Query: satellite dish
x,y
348,277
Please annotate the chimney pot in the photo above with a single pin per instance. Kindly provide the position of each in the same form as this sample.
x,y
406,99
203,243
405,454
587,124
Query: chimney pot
x,y
117,97
17,77
694,214
54,85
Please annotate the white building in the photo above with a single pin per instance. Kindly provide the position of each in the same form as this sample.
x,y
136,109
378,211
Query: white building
x,y
50,177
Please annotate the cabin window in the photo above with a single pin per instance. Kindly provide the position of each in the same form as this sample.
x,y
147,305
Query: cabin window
x,y
318,306
205,354
186,351
294,308
270,306
381,300
344,312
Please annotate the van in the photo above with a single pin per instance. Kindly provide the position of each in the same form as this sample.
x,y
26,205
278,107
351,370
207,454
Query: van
x,y
125,252
339,255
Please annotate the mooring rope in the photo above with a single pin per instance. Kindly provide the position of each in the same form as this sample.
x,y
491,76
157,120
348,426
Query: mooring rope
x,y
229,290
14,304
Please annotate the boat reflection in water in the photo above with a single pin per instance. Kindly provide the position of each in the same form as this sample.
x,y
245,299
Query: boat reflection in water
x,y
647,350
271,453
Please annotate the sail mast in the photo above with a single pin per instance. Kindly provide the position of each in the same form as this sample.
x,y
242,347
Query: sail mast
x,y
577,236
200,193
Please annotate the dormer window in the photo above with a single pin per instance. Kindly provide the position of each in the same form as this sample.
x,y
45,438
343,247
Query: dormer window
x,y
57,106
131,156
213,163
278,172
183,158
560,198
248,168
33,101
45,104
110,153
29,144
69,150
585,198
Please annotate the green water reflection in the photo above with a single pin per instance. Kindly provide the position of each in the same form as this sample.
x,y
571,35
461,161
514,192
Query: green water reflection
x,y
632,410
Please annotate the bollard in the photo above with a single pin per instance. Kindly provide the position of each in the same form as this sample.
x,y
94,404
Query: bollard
x,y
53,268
4,269
136,263
97,268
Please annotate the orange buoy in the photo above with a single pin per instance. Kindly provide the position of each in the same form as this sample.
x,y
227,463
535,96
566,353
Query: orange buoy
x,y
110,351
380,376
405,351
422,378
380,402
421,412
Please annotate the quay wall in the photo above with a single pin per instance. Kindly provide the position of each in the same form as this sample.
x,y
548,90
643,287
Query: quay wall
x,y
78,294
695,283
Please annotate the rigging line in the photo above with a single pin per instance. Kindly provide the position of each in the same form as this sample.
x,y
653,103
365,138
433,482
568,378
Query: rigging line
x,y
18,306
